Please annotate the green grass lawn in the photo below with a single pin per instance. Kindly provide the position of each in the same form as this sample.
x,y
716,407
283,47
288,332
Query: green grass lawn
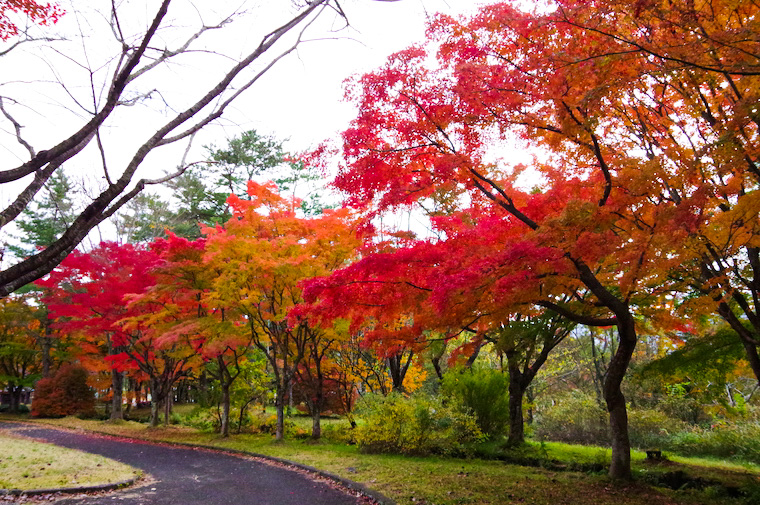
x,y
451,481
26,464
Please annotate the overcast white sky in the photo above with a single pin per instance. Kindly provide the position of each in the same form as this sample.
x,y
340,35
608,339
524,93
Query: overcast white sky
x,y
299,100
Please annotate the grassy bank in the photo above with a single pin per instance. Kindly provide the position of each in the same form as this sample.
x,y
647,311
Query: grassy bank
x,y
451,481
26,464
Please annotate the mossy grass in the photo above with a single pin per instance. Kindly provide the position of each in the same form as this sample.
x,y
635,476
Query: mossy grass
x,y
28,465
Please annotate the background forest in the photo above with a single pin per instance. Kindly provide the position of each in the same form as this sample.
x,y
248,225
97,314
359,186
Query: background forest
x,y
584,267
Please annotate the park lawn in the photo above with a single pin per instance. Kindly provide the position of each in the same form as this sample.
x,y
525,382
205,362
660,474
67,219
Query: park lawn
x,y
27,464
452,481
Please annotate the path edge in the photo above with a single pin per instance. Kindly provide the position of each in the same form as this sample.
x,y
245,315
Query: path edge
x,y
113,486
357,487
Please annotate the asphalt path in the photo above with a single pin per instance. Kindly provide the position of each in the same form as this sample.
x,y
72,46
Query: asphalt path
x,y
188,476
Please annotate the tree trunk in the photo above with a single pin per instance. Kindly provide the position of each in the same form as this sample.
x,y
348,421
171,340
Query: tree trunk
x,y
46,343
517,382
620,465
15,392
153,403
168,400
436,360
225,428
516,426
316,406
316,425
290,399
474,355
280,406
752,358
117,387
398,369
243,411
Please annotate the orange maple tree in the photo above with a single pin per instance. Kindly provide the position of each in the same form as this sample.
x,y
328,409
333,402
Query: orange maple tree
x,y
260,257
698,126
643,153
164,340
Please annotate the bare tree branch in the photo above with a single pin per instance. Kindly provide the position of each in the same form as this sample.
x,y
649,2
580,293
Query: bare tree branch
x,y
129,63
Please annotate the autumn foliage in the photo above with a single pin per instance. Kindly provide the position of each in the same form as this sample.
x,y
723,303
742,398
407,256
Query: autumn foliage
x,y
636,118
39,13
66,393
587,163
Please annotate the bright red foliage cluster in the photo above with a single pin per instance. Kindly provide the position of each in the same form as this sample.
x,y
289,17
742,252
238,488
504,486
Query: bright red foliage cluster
x,y
642,119
64,394
42,14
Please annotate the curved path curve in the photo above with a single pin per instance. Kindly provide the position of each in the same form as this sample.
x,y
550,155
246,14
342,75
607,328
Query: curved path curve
x,y
188,476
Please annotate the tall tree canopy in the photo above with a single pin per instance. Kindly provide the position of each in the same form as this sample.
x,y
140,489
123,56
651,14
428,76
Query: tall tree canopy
x,y
643,131
260,258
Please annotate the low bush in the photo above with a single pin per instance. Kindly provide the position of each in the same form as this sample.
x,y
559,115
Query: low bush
x,y
649,428
574,418
730,441
201,418
414,426
485,392
64,394
341,433
22,409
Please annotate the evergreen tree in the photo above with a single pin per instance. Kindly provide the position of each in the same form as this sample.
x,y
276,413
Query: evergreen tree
x,y
45,220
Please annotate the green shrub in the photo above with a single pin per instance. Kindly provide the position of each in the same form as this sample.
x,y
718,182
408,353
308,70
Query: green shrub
x,y
484,392
736,440
201,418
649,428
341,433
575,418
22,409
414,426
683,408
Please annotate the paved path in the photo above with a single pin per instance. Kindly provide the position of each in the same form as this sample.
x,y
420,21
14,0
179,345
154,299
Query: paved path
x,y
186,476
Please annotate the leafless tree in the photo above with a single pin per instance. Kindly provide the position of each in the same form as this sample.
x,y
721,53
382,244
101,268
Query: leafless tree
x,y
104,79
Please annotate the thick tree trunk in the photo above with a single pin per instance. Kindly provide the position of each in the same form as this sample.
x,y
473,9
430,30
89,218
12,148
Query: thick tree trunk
x,y
154,403
15,398
752,358
153,413
398,369
516,423
620,465
117,387
316,405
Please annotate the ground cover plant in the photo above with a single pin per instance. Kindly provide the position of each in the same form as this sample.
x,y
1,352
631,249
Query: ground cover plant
x,y
26,464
